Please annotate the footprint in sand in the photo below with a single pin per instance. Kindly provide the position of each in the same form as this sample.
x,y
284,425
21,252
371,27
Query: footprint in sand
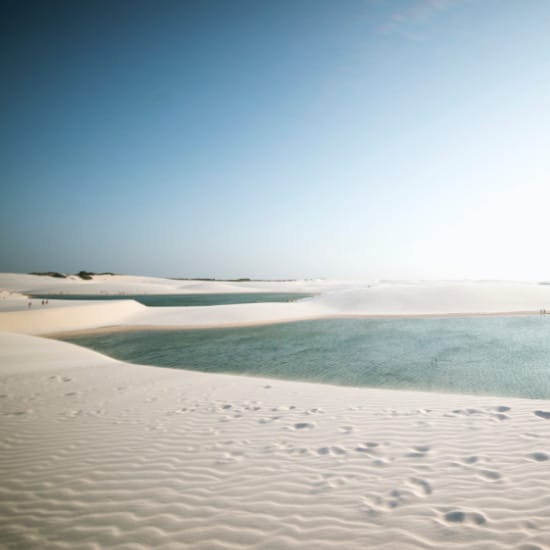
x,y
419,451
398,497
313,410
496,413
490,474
269,420
414,489
58,378
304,426
332,451
301,451
543,414
458,516
368,447
328,482
380,463
422,484
539,457
467,412
251,407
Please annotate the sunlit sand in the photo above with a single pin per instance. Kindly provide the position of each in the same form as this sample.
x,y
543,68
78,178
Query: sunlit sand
x,y
97,453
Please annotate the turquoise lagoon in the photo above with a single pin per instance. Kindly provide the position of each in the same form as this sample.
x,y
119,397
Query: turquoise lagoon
x,y
174,300
507,356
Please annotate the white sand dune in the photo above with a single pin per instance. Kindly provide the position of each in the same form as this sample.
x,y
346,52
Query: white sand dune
x,y
131,284
437,298
64,316
102,454
97,454
60,316
332,299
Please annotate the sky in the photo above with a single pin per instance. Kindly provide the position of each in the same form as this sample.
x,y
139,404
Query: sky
x,y
375,139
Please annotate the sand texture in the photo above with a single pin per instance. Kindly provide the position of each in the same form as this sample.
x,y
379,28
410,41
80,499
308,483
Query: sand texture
x,y
95,453
102,454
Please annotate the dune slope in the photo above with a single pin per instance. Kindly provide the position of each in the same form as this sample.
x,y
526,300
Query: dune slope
x,y
102,454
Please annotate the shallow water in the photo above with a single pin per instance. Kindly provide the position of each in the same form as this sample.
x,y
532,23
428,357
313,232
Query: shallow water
x,y
508,356
173,300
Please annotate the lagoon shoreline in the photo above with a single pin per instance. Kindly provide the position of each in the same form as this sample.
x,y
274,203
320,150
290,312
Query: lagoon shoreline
x,y
98,453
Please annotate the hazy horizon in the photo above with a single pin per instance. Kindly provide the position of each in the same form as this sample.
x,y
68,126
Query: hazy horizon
x,y
371,139
245,278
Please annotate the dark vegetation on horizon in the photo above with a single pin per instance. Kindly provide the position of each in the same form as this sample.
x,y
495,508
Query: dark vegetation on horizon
x,y
88,275
85,275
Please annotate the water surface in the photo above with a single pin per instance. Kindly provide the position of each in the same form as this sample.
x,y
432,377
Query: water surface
x,y
483,355
173,300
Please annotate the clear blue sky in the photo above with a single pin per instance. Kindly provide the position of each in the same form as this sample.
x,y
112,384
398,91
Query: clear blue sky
x,y
354,138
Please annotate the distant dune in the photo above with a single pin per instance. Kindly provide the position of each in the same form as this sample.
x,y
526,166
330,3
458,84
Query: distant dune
x,y
333,299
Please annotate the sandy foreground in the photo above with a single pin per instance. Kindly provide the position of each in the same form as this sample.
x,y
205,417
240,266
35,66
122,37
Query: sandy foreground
x,y
96,453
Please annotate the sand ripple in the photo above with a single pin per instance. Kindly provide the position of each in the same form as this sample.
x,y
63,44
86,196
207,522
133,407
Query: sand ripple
x,y
117,456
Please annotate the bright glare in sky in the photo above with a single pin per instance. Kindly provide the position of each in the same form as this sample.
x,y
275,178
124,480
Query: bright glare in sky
x,y
373,139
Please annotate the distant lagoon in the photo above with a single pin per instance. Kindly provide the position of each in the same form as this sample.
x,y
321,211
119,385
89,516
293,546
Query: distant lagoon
x,y
507,356
186,300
